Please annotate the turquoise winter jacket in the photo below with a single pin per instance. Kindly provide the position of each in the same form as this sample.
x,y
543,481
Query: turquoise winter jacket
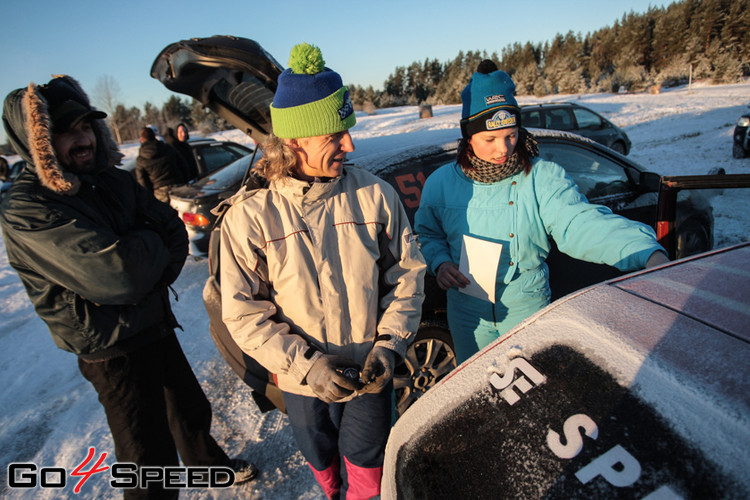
x,y
521,212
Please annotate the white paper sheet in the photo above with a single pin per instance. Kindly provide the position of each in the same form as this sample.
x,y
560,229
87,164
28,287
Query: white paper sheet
x,y
479,261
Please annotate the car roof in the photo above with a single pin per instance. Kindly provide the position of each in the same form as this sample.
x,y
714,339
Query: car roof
x,y
552,105
201,140
389,158
710,290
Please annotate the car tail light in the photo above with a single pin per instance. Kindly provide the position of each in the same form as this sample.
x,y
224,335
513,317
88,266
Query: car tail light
x,y
196,220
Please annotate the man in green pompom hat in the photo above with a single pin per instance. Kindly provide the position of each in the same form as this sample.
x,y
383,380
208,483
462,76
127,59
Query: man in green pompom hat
x,y
322,280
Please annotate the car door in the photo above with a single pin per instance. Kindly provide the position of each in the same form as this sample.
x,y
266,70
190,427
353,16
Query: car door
x,y
604,181
559,119
532,118
600,178
593,126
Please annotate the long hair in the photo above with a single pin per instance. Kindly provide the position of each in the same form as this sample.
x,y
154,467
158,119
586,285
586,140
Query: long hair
x,y
278,159
524,156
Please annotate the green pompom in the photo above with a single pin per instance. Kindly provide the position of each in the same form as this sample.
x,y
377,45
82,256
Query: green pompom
x,y
306,59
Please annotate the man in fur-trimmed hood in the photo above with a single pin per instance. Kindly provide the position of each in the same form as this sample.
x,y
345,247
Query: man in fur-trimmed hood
x,y
96,253
32,138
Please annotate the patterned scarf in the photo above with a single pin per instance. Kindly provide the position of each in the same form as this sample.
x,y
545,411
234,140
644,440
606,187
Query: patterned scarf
x,y
486,172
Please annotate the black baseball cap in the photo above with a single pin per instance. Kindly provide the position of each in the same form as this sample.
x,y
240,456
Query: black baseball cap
x,y
66,106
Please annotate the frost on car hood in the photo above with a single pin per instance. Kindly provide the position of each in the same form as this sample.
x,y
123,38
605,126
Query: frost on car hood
x,y
637,383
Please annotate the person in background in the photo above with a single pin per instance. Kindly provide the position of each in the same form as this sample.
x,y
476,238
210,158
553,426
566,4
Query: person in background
x,y
320,277
501,192
179,141
158,166
96,254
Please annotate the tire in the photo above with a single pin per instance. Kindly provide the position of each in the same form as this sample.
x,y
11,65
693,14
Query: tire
x,y
430,358
692,238
619,147
738,151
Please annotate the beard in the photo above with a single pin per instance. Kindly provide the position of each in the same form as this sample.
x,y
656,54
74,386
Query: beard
x,y
86,166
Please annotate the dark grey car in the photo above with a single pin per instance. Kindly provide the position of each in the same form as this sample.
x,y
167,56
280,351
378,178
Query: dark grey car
x,y
572,117
210,155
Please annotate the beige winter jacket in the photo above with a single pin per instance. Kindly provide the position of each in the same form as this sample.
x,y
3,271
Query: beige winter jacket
x,y
330,265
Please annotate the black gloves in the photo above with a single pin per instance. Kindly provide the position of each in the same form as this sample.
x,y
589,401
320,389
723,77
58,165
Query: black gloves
x,y
327,380
378,369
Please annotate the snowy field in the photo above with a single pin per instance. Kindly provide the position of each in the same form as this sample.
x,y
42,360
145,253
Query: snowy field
x,y
51,415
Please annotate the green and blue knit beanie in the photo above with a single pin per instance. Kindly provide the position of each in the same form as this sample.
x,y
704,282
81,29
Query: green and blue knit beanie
x,y
310,99
488,101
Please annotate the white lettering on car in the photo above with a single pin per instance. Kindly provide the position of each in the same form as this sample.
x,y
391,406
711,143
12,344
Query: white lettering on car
x,y
573,437
616,466
508,381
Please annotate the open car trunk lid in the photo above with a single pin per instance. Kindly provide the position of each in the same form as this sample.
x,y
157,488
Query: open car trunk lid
x,y
234,77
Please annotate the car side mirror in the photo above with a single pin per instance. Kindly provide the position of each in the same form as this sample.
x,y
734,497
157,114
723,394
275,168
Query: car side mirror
x,y
650,182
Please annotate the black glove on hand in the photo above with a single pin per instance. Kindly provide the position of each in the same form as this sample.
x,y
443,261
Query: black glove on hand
x,y
378,369
327,381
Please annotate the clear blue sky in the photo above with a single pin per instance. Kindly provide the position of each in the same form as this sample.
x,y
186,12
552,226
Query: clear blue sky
x,y
363,41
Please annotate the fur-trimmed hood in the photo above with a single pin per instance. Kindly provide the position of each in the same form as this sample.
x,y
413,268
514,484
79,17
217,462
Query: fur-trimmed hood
x,y
29,128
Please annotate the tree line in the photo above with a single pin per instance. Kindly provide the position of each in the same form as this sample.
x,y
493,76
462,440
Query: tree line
x,y
126,123
663,47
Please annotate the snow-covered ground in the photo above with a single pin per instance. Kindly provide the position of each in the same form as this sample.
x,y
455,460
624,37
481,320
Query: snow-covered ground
x,y
51,415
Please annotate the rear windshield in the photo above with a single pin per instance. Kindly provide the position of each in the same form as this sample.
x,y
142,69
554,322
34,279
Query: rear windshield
x,y
226,177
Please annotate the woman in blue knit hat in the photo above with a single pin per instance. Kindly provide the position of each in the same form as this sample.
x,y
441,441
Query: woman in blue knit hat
x,y
500,192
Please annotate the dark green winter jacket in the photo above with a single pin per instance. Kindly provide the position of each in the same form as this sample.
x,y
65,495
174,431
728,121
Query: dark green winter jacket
x,y
95,252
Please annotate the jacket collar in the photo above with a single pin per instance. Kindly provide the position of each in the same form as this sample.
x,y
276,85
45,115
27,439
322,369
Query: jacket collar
x,y
306,190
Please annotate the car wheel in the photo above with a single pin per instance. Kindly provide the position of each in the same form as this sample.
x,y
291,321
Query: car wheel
x,y
619,147
738,151
430,358
692,238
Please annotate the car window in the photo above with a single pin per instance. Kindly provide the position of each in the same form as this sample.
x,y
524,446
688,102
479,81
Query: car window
x,y
228,176
559,119
596,175
215,157
586,119
532,119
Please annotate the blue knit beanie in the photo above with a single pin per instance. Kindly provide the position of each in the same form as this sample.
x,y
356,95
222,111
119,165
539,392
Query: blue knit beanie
x,y
488,101
310,99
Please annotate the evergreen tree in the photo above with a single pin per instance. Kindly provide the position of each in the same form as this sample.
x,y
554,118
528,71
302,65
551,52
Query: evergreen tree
x,y
662,45
175,111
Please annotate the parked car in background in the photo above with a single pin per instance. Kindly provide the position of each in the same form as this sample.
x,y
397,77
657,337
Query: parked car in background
x,y
210,155
195,201
572,117
741,141
633,388
236,78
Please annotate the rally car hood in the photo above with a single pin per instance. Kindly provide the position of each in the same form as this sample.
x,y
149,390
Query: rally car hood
x,y
234,77
628,388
